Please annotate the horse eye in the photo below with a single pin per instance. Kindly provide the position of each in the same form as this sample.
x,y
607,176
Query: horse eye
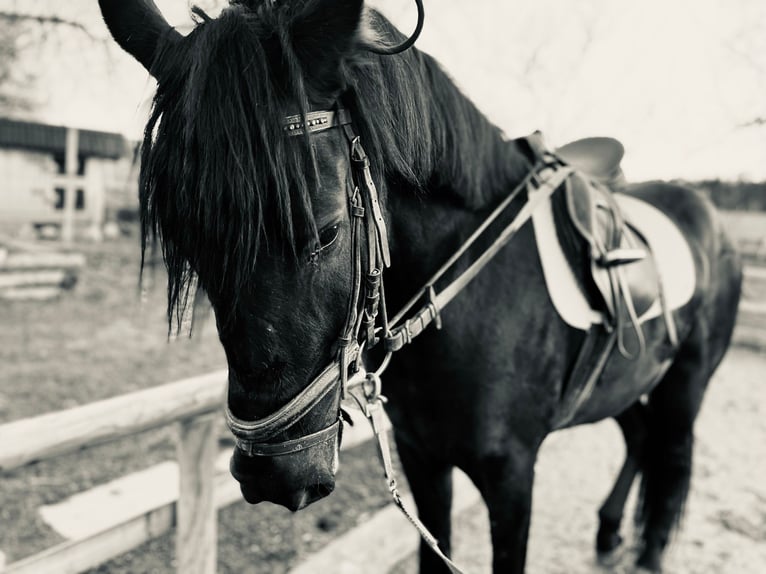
x,y
328,236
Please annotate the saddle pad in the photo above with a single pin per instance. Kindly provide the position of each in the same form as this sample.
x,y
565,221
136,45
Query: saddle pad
x,y
672,255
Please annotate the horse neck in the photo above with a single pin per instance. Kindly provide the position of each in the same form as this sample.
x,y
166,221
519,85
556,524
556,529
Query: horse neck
x,y
473,168
473,161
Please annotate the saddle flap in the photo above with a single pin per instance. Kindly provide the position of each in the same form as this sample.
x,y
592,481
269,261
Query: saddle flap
x,y
621,225
621,263
637,279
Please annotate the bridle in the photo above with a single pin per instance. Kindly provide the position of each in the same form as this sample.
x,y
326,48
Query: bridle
x,y
253,437
366,316
370,254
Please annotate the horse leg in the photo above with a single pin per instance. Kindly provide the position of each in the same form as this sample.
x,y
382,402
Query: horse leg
x,y
633,425
505,482
672,410
431,486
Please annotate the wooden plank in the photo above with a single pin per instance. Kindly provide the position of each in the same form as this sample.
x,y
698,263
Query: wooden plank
x,y
139,493
118,501
23,245
50,260
32,277
754,308
79,555
54,434
754,288
197,516
30,293
755,272
750,337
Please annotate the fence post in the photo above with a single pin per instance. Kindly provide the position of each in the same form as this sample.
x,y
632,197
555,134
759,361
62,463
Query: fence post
x,y
196,513
71,158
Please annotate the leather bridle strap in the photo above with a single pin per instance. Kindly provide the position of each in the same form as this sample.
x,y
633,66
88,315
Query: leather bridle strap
x,y
315,122
251,433
364,210
291,446
541,184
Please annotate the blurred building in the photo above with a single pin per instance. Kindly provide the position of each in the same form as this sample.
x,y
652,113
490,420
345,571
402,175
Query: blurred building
x,y
33,182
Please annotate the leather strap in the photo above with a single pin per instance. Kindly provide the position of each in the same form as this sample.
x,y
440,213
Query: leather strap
x,y
374,411
315,121
284,418
543,183
254,449
586,371
365,212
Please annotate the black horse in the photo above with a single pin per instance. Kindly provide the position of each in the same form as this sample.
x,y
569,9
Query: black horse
x,y
255,180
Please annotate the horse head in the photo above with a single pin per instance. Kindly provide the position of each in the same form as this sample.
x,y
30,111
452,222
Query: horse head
x,y
252,193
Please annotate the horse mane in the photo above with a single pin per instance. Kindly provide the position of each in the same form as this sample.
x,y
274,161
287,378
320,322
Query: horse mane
x,y
221,186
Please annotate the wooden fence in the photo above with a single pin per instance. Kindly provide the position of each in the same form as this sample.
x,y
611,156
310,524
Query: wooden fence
x,y
193,405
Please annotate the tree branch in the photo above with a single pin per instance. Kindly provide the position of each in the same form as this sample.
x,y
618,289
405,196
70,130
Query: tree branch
x,y
14,17
761,121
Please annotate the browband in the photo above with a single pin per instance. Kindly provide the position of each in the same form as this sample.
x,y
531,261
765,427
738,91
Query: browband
x,y
315,121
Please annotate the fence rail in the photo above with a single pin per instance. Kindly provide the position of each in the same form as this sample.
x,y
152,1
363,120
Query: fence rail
x,y
192,405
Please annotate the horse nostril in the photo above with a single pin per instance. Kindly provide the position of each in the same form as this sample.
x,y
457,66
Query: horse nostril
x,y
323,490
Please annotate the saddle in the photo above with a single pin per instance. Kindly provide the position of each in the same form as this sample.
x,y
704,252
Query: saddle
x,y
599,157
610,259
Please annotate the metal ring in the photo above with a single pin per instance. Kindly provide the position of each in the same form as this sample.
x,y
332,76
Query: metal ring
x,y
377,387
408,43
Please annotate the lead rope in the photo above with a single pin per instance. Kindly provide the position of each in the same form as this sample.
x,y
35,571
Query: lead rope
x,y
372,407
376,417
367,208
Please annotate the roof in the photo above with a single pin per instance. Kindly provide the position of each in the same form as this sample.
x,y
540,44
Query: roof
x,y
42,137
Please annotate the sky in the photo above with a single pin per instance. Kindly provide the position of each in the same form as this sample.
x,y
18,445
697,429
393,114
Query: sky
x,y
681,82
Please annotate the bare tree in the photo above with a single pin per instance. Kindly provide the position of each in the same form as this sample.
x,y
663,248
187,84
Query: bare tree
x,y
23,32
11,84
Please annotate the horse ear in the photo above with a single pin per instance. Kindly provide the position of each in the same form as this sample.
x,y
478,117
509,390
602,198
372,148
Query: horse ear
x,y
139,28
323,36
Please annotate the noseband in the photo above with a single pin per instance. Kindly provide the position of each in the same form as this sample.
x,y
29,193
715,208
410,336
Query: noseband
x,y
369,245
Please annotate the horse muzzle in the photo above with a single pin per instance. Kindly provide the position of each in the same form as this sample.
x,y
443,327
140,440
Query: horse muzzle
x,y
293,477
